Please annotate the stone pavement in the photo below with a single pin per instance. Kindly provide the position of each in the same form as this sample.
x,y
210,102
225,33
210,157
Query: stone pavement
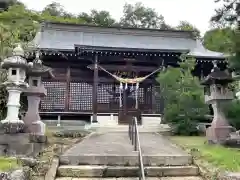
x,y
119,144
156,144
115,149
103,144
111,154
148,178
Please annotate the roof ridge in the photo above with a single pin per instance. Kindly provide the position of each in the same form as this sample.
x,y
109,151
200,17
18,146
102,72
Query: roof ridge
x,y
60,25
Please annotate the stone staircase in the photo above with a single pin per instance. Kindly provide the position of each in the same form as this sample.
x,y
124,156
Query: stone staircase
x,y
96,158
117,170
160,128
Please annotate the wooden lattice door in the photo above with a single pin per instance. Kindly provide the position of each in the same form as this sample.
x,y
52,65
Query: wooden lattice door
x,y
55,99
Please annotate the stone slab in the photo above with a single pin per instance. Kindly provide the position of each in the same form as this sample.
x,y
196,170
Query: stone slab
x,y
51,173
19,144
231,176
116,149
135,178
161,128
125,171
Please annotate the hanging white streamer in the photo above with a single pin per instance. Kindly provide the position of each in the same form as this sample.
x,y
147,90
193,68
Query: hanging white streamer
x,y
137,86
136,96
126,86
136,80
120,94
121,86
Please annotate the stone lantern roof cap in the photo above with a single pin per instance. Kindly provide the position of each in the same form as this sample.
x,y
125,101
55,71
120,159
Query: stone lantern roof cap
x,y
18,51
217,76
36,68
17,59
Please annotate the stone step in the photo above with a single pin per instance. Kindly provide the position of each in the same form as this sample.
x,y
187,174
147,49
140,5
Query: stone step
x,y
161,128
135,178
126,160
126,171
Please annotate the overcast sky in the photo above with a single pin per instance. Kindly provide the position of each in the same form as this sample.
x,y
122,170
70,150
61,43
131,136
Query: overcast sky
x,y
197,12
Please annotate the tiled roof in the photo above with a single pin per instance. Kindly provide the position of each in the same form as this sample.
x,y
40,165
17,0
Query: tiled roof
x,y
67,36
200,51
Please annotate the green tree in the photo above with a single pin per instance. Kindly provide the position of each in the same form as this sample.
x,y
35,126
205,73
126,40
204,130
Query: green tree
x,y
219,39
55,12
54,9
138,16
184,98
6,41
229,15
23,22
5,4
186,26
17,24
102,18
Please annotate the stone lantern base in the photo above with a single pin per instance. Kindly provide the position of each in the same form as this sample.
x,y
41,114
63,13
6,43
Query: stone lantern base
x,y
38,128
21,144
12,127
218,135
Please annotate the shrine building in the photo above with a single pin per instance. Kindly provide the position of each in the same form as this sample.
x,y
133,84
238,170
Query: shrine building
x,y
80,90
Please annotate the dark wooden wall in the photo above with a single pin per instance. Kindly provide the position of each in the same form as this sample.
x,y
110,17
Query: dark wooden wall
x,y
72,88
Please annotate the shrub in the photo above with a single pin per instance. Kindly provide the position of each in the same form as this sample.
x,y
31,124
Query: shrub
x,y
3,95
184,98
70,134
232,112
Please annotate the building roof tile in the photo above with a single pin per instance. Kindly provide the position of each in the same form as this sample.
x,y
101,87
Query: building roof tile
x,y
67,36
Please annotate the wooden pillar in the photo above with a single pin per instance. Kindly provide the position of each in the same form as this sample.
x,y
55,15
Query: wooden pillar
x,y
95,91
67,92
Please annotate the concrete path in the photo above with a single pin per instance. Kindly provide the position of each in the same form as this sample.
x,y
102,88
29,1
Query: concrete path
x,y
116,149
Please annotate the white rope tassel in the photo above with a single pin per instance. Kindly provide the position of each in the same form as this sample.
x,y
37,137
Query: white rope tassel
x,y
137,86
121,86
120,94
136,95
126,86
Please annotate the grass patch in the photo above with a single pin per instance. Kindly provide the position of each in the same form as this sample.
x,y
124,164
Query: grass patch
x,y
7,164
227,159
55,147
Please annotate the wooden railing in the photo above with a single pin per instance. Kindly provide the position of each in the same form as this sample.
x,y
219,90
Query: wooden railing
x,y
135,140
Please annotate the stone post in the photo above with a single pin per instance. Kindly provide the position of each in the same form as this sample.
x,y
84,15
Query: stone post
x,y
16,66
34,93
13,105
217,92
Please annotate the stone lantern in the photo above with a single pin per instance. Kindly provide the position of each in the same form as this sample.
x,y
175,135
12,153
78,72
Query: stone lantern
x,y
34,93
16,66
217,92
